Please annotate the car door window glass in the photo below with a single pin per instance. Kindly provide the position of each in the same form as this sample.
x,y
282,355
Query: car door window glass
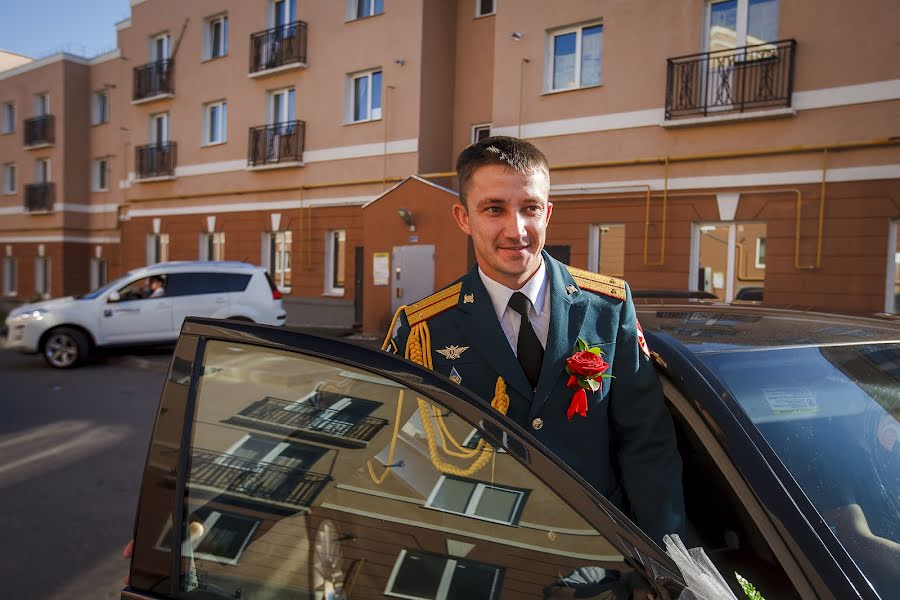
x,y
144,288
310,479
190,284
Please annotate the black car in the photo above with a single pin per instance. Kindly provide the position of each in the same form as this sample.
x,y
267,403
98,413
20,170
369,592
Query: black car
x,y
288,466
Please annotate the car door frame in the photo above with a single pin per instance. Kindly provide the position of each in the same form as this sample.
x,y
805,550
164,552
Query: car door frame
x,y
637,550
828,567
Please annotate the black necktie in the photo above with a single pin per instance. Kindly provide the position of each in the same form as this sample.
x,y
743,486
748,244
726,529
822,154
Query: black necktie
x,y
528,348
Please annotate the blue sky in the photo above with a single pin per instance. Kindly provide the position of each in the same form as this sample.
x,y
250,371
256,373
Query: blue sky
x,y
82,27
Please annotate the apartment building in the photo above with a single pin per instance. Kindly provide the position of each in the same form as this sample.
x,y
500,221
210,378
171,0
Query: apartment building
x,y
713,145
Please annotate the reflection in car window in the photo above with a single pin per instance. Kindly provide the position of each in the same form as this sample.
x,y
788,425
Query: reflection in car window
x,y
831,414
309,479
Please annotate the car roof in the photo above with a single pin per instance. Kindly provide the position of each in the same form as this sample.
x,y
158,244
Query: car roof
x,y
195,265
705,328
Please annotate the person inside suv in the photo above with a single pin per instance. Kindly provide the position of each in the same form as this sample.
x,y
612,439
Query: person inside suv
x,y
157,287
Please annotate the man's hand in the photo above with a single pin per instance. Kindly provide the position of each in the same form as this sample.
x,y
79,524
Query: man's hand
x,y
127,551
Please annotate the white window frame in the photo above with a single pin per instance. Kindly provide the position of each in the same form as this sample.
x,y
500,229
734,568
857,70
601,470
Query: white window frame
x,y
289,13
99,265
478,128
42,174
549,56
757,264
100,175
9,118
100,108
10,276
221,121
353,9
214,240
157,248
152,128
187,546
371,113
893,266
479,14
595,235
226,458
9,179
446,577
742,23
152,50
475,498
282,277
41,105
42,276
210,52
330,288
288,97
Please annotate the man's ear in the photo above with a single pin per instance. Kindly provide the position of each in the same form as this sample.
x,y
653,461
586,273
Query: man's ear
x,y
549,211
461,215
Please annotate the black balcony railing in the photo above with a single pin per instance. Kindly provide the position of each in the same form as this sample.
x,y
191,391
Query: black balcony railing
x,y
730,81
278,143
259,480
39,130
155,160
305,417
39,197
154,79
279,46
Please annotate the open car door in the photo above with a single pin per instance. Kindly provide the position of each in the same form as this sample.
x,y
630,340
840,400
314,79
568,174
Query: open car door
x,y
284,465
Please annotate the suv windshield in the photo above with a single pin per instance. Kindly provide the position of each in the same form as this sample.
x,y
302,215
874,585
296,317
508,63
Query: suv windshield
x,y
103,289
831,414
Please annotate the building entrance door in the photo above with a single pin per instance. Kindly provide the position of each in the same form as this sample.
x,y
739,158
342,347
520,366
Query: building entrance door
x,y
729,260
413,277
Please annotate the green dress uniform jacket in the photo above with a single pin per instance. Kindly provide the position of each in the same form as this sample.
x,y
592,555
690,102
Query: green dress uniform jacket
x,y
625,446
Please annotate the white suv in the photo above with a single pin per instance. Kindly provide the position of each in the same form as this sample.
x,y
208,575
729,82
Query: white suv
x,y
145,306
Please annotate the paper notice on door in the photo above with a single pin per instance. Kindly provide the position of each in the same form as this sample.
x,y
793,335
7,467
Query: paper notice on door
x,y
791,400
381,268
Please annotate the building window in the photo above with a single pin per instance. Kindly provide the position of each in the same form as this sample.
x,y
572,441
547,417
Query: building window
x,y
418,575
212,246
101,175
606,249
42,170
364,101
215,37
159,47
480,132
41,105
9,178
738,23
335,259
477,499
573,57
215,122
157,248
277,257
159,128
10,275
98,273
359,9
42,276
484,8
761,253
101,107
223,539
9,117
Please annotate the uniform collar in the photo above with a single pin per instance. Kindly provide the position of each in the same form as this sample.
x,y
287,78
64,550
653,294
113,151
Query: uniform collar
x,y
534,289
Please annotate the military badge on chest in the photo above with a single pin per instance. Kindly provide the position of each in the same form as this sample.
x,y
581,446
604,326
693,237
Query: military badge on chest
x,y
452,353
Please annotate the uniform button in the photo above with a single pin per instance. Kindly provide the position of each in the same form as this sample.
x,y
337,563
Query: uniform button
x,y
537,423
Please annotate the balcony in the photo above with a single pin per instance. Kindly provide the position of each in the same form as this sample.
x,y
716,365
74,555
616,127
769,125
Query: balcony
x,y
155,161
278,49
154,81
39,131
310,420
275,145
39,197
733,81
256,479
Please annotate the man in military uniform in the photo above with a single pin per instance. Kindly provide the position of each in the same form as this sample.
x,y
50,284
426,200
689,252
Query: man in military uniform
x,y
519,314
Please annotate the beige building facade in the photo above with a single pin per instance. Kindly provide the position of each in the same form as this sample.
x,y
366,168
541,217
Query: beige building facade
x,y
710,145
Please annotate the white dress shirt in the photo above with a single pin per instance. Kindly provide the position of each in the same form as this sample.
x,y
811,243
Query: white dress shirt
x,y
536,290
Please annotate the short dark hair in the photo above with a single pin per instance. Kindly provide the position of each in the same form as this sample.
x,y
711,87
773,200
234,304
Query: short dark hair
x,y
157,279
510,152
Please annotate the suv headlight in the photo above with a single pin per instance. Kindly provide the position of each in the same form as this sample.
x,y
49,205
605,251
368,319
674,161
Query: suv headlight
x,y
35,313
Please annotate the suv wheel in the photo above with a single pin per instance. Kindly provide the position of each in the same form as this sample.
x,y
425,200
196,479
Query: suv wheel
x,y
65,348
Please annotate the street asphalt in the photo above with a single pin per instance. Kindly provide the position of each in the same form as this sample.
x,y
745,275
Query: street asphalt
x,y
72,451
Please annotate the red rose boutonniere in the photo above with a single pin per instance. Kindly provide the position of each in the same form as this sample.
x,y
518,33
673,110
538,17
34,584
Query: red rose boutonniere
x,y
586,370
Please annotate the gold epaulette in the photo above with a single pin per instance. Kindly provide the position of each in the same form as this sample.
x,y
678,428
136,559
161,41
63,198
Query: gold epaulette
x,y
601,284
434,304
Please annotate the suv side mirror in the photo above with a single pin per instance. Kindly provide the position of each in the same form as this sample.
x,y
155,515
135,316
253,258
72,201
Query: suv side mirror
x,y
114,297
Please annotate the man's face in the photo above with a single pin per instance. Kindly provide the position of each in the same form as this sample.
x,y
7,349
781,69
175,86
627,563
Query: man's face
x,y
506,214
